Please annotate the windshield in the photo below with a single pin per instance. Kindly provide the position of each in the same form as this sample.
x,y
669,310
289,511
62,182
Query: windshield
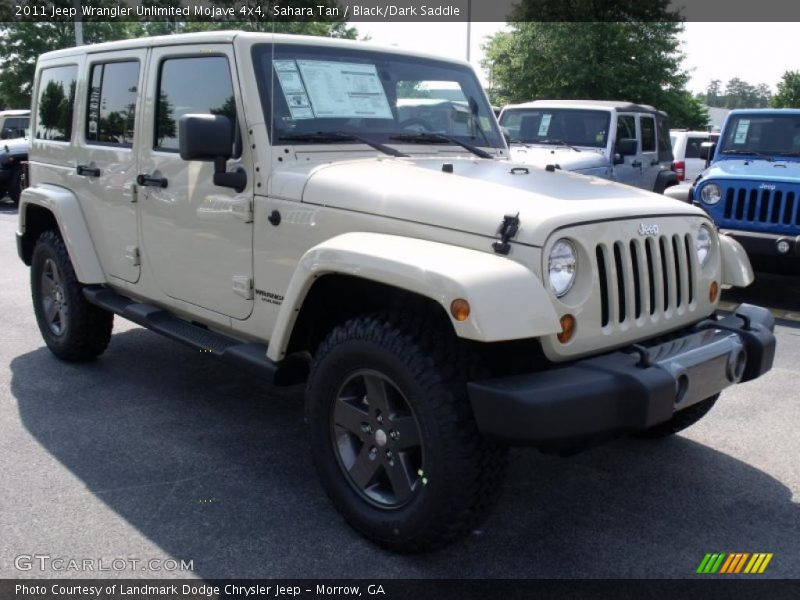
x,y
768,134
307,91
545,125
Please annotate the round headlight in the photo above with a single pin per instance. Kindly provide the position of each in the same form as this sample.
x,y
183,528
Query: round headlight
x,y
711,194
562,265
702,244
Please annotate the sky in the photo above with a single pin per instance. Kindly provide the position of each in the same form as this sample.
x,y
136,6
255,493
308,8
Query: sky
x,y
754,52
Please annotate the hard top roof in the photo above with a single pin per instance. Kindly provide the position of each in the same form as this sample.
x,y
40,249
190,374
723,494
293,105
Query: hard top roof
x,y
217,37
616,105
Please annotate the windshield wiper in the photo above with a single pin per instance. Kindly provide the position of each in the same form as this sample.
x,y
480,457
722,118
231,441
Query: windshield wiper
x,y
439,138
331,137
790,153
558,143
746,151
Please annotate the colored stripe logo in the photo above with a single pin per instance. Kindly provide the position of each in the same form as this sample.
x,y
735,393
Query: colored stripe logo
x,y
735,562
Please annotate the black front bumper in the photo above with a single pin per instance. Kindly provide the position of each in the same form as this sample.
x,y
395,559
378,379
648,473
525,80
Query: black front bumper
x,y
628,390
766,244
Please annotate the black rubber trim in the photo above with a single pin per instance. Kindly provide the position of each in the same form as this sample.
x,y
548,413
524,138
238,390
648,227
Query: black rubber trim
x,y
603,396
251,356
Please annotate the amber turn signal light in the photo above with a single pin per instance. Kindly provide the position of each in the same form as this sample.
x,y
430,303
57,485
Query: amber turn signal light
x,y
568,324
459,308
713,292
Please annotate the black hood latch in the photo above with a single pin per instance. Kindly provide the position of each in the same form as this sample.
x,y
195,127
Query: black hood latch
x,y
508,229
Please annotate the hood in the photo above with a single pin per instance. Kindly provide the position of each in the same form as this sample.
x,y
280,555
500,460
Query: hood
x,y
566,158
474,198
755,169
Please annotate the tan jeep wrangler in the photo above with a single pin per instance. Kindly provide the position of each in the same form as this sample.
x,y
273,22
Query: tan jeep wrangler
x,y
259,197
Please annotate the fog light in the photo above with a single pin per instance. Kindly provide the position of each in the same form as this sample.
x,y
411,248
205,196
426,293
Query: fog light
x,y
737,362
783,246
567,328
459,308
713,292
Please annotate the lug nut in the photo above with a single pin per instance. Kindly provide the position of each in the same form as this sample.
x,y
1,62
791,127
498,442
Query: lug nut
x,y
394,434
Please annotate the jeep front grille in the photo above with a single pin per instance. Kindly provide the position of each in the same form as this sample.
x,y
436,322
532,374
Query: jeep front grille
x,y
645,279
777,207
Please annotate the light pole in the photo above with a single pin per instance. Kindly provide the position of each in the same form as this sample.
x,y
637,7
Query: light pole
x,y
469,27
78,23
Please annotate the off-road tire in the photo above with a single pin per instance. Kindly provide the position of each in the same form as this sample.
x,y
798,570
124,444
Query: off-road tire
x,y
86,329
463,472
681,419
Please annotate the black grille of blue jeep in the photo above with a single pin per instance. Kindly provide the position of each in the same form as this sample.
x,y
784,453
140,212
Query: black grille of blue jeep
x,y
760,206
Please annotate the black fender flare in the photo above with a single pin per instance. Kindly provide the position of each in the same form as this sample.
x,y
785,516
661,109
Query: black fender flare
x,y
665,179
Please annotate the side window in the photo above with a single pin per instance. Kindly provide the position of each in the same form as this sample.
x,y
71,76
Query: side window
x,y
55,103
112,103
192,85
14,127
648,133
693,147
626,127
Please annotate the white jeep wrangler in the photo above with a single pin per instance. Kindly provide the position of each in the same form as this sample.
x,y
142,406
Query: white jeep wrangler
x,y
257,196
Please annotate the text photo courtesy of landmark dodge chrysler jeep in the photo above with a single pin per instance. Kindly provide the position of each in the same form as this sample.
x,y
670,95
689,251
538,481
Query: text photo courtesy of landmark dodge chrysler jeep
x,y
624,142
752,188
259,197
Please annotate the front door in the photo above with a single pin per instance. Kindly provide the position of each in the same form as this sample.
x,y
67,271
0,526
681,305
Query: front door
x,y
628,171
197,238
105,170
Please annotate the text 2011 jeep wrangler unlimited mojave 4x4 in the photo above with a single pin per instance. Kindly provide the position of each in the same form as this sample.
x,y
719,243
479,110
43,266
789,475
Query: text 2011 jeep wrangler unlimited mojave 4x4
x,y
257,196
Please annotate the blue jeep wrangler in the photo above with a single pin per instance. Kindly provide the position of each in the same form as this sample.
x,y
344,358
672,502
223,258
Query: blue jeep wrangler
x,y
752,187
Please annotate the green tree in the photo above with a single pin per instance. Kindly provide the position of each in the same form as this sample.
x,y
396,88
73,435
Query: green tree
x,y
713,92
246,20
788,95
741,94
586,49
21,44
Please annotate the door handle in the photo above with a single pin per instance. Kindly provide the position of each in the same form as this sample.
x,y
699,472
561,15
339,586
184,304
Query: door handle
x,y
636,163
653,162
87,171
150,181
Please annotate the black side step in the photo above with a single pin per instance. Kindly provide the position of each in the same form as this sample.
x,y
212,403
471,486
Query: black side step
x,y
251,356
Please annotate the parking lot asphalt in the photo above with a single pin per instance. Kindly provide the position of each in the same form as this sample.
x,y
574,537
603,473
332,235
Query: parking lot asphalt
x,y
156,452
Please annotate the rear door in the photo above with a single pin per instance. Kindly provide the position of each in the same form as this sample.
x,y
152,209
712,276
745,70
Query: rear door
x,y
196,237
105,169
651,165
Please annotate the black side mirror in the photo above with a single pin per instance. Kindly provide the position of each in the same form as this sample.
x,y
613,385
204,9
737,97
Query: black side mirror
x,y
707,150
7,134
627,147
210,138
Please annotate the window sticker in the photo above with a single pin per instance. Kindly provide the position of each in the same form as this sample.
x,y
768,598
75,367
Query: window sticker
x,y
740,137
544,125
293,89
344,90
